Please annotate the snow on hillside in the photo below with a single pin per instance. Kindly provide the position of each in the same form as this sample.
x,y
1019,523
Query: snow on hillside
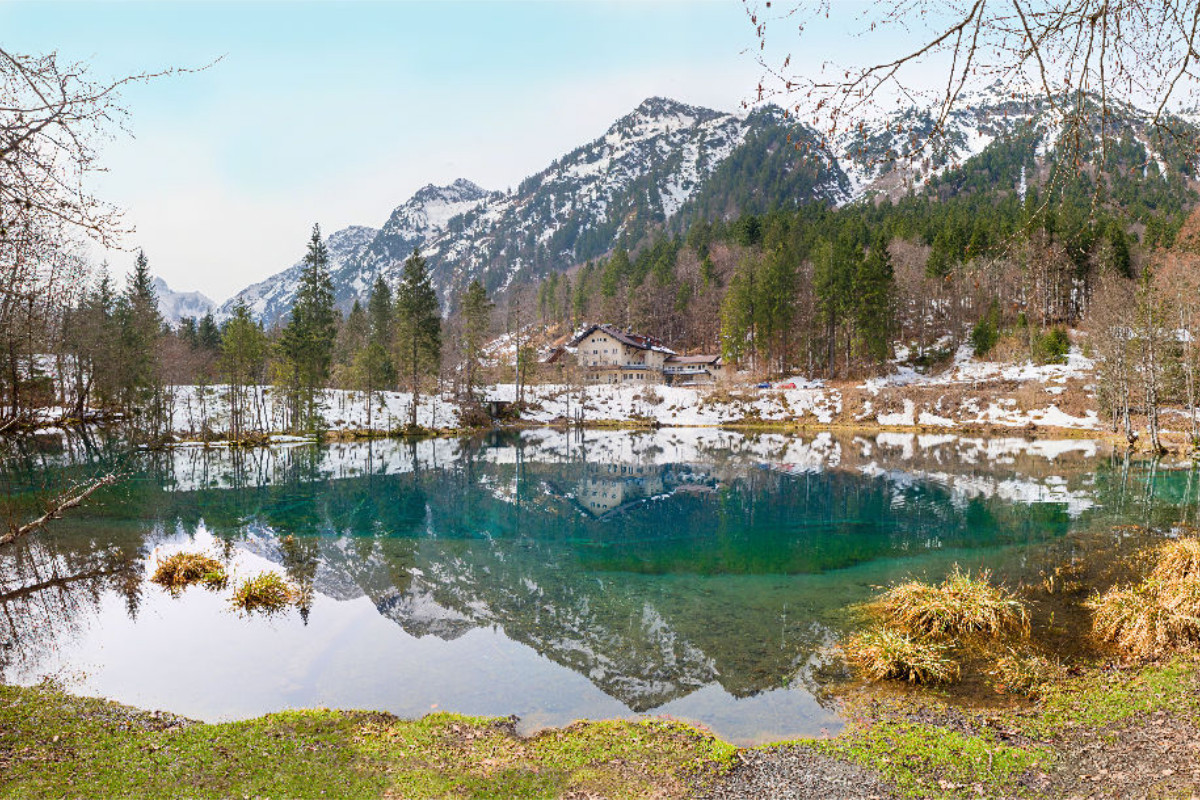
x,y
640,173
174,306
270,300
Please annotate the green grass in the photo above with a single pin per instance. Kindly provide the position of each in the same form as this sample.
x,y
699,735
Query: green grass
x,y
1098,700
53,744
930,761
178,571
266,592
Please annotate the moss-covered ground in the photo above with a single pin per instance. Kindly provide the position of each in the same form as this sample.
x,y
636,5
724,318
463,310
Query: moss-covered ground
x,y
53,744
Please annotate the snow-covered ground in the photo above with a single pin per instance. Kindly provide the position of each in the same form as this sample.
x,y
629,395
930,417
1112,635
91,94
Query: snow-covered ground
x,y
970,393
968,370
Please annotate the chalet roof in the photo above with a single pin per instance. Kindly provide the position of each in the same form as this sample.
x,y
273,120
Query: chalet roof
x,y
630,339
698,359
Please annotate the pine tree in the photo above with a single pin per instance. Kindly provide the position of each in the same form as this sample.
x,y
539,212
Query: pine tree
x,y
738,340
873,286
243,353
350,342
418,342
187,332
373,364
208,333
308,338
141,329
775,307
834,267
476,315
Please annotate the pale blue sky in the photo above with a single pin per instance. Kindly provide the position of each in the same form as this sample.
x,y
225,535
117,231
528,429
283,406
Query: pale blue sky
x,y
335,112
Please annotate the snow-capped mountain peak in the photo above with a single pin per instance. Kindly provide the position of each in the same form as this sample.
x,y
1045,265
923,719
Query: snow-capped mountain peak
x,y
664,164
174,306
429,210
271,300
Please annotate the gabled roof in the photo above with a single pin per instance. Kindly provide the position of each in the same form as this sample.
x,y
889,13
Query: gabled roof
x,y
630,339
699,359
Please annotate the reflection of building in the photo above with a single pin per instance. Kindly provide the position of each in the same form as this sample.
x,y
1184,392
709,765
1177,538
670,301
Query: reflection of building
x,y
608,490
610,487
610,355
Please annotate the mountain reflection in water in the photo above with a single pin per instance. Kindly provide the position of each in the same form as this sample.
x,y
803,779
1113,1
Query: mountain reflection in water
x,y
700,573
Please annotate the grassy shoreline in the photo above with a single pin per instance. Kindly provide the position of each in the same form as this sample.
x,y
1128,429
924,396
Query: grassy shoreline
x,y
54,744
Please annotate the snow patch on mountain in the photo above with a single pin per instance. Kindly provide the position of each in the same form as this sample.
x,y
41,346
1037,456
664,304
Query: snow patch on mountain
x,y
271,300
174,306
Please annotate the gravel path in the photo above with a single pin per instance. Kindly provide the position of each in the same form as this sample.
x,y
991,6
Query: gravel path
x,y
1157,755
792,772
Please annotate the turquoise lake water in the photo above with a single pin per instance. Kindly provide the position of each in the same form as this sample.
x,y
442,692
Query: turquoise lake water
x,y
701,574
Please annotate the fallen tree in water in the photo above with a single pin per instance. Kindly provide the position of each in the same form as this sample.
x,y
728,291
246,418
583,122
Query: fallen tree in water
x,y
72,498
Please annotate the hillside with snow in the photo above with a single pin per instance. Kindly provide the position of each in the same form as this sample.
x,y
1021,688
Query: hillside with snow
x,y
666,164
174,306
271,299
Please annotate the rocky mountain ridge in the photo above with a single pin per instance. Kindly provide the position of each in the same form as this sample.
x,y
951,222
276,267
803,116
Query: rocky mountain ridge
x,y
659,167
174,305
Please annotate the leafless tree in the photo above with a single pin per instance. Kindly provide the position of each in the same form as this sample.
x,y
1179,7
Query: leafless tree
x,y
1085,62
53,115
1153,327
72,498
1110,331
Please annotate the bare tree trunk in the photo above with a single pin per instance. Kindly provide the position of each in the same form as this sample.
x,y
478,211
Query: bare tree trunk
x,y
63,502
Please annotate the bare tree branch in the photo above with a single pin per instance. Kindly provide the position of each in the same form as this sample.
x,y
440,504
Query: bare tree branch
x,y
1082,61
72,498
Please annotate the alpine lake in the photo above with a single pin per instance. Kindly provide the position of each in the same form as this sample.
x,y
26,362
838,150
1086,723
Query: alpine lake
x,y
701,574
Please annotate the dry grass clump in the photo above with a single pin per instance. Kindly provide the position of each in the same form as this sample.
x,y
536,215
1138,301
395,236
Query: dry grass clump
x,y
883,653
921,627
181,570
266,592
1177,560
1149,619
1025,674
961,605
1159,615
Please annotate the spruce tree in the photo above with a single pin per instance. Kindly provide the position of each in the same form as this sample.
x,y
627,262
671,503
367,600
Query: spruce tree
x,y
373,363
243,351
476,315
308,338
775,307
873,286
208,334
141,328
381,317
418,342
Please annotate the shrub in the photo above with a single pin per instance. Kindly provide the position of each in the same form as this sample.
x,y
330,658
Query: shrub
x,y
1159,615
1051,347
181,570
984,337
986,332
961,605
1026,674
266,591
1178,560
883,653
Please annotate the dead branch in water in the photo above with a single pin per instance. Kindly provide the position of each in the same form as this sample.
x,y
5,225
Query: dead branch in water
x,y
64,502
